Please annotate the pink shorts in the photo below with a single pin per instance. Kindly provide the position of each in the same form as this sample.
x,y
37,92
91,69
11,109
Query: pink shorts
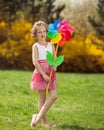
x,y
38,82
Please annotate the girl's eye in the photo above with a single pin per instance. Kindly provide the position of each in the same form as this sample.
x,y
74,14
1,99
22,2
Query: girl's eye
x,y
42,32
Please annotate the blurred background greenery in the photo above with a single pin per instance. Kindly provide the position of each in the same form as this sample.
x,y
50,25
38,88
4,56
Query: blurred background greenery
x,y
84,53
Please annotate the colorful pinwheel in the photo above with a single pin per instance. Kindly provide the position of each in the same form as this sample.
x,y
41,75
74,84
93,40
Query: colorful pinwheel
x,y
59,32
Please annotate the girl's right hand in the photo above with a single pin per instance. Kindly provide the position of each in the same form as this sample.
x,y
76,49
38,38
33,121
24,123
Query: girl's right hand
x,y
46,78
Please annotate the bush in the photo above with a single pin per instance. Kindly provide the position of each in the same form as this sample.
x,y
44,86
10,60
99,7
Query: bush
x,y
16,49
83,56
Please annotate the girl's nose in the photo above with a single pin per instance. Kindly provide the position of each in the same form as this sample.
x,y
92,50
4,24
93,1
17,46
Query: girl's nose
x,y
43,33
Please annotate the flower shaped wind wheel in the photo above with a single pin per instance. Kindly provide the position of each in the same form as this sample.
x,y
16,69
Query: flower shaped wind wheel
x,y
59,32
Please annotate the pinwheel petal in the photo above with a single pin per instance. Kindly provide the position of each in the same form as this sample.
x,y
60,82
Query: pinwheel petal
x,y
52,35
67,36
61,42
54,41
51,26
57,39
70,28
54,31
56,23
64,22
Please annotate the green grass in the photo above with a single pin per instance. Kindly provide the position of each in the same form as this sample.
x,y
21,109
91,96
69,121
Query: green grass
x,y
80,103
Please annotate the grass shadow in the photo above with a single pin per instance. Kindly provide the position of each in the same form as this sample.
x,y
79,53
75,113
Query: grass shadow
x,y
77,127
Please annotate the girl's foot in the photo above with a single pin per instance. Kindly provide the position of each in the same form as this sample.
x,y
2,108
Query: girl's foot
x,y
48,124
33,122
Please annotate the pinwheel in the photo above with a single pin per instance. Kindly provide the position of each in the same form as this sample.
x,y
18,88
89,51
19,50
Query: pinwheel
x,y
59,32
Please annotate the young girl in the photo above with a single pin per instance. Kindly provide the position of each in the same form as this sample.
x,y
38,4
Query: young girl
x,y
40,77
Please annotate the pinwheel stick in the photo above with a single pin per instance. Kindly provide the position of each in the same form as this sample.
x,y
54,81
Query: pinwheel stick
x,y
56,50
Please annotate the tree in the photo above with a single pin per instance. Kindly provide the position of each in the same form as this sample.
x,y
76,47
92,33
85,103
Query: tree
x,y
43,10
15,40
32,10
52,12
8,9
98,23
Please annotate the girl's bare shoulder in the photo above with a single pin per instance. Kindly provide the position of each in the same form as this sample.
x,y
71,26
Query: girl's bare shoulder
x,y
34,45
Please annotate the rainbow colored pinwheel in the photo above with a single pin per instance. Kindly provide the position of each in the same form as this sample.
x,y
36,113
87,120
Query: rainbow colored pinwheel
x,y
59,32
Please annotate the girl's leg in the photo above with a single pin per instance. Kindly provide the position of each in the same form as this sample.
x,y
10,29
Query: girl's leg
x,y
47,105
42,99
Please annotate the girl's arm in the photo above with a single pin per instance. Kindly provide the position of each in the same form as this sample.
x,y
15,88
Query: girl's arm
x,y
36,64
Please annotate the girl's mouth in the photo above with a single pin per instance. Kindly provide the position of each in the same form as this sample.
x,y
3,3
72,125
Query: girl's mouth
x,y
42,36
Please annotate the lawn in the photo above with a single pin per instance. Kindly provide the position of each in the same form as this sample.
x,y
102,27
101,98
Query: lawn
x,y
80,103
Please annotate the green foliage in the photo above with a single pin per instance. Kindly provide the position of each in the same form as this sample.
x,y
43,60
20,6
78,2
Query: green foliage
x,y
79,105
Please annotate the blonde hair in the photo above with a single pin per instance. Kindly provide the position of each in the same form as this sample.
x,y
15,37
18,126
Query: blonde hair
x,y
34,28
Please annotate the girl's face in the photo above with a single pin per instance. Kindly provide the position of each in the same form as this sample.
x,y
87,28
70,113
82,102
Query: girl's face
x,y
41,33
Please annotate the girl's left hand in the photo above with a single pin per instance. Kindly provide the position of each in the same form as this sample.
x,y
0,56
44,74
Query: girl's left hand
x,y
53,68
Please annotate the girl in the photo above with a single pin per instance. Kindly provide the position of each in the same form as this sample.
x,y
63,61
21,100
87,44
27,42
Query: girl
x,y
40,77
